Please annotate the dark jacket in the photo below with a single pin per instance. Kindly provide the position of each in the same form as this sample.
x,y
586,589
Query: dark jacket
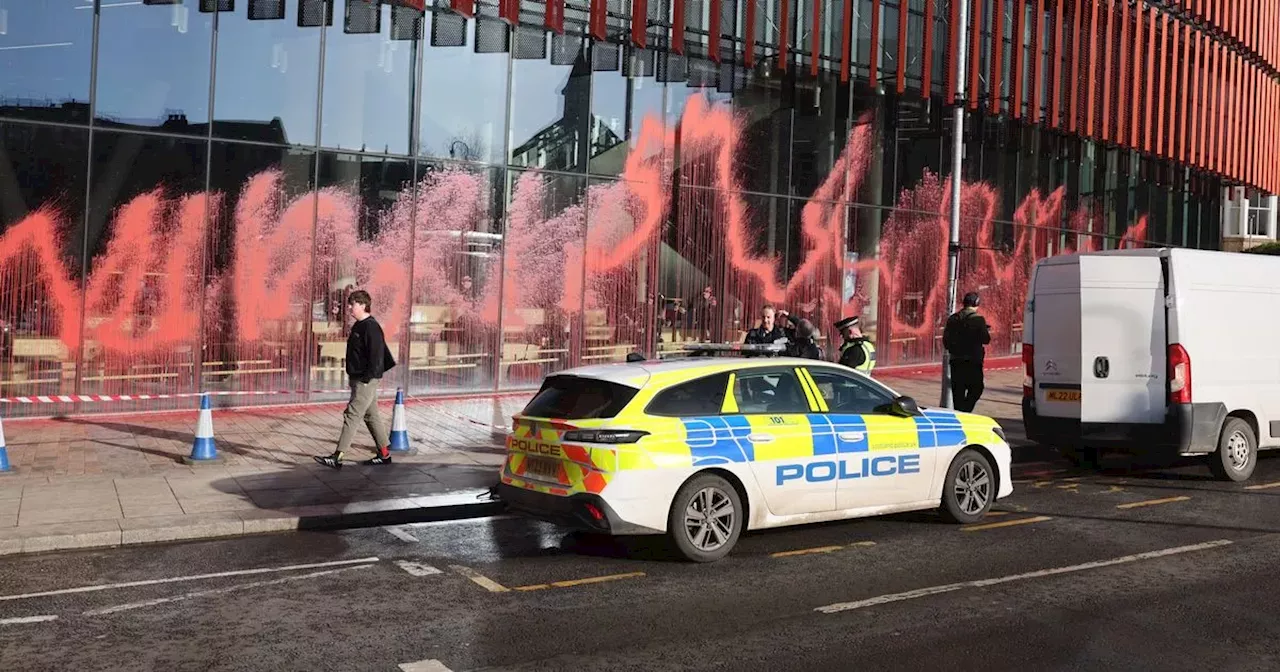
x,y
368,356
965,336
759,336
800,335
852,353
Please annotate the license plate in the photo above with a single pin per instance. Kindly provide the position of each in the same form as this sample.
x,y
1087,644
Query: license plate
x,y
1063,395
542,468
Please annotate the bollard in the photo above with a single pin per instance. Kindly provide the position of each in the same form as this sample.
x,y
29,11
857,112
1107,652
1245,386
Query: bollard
x,y
203,448
400,428
4,454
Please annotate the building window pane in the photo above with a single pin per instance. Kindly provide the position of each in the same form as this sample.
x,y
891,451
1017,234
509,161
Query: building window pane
x,y
368,82
471,127
551,117
45,51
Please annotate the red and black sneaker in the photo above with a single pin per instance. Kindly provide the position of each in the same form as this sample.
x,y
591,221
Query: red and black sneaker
x,y
383,457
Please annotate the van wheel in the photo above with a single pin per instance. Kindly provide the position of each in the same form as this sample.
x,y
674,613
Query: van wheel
x,y
705,519
970,488
1237,453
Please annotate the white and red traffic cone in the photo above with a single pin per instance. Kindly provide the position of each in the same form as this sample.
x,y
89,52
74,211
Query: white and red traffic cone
x,y
400,428
203,448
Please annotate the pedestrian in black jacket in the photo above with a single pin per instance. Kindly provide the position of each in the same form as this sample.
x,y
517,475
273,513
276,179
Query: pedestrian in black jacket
x,y
965,338
368,357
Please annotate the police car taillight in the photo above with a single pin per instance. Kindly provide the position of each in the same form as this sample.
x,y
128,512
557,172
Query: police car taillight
x,y
603,436
1179,375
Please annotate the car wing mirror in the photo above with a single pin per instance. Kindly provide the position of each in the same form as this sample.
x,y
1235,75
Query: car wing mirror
x,y
905,407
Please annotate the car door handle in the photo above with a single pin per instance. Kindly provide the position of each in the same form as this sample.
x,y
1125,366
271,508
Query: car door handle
x,y
852,437
760,438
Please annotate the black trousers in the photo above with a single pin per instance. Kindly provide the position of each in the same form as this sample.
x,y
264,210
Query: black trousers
x,y
966,384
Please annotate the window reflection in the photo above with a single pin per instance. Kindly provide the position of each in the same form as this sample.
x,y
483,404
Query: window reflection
x,y
619,106
45,50
267,78
153,65
368,82
551,123
469,127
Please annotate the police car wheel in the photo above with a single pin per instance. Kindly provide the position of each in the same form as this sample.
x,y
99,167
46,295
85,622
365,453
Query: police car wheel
x,y
1237,453
706,518
970,488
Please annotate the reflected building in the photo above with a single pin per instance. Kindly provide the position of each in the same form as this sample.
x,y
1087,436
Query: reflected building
x,y
187,198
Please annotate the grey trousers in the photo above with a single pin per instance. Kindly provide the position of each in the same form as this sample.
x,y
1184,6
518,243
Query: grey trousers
x,y
363,406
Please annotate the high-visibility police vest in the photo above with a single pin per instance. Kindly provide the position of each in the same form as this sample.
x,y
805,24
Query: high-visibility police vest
x,y
868,349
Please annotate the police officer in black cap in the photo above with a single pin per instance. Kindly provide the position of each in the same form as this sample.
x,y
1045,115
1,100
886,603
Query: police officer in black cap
x,y
856,352
965,338
802,337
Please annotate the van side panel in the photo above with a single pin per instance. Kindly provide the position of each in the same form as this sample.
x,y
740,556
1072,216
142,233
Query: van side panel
x,y
1122,344
1055,334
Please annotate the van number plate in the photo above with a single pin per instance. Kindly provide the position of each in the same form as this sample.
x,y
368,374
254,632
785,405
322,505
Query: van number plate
x,y
1062,395
542,468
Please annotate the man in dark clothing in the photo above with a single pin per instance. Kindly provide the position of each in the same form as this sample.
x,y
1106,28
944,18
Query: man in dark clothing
x,y
768,332
857,351
802,336
965,338
368,357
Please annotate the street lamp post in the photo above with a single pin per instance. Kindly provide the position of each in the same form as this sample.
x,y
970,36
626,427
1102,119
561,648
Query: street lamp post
x,y
957,156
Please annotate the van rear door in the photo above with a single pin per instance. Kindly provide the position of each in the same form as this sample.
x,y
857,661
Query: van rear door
x,y
1055,336
1122,339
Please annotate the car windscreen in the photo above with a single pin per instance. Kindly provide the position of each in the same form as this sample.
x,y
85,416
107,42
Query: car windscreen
x,y
577,398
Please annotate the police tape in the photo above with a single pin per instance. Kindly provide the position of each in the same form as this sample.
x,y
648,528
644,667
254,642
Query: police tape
x,y
95,398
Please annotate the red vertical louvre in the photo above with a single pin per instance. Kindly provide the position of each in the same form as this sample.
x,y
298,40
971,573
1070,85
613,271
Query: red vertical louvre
x,y
553,19
816,41
1135,98
1214,107
975,49
1237,129
1092,93
509,11
1184,87
873,64
927,69
1055,54
1168,48
953,50
846,39
599,20
1074,121
1121,74
713,28
749,32
1108,27
1190,152
1017,66
784,34
639,21
1151,77
677,24
994,85
463,7
903,16
1200,106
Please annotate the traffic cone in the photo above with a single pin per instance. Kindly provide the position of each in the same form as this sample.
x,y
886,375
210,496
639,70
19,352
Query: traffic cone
x,y
400,428
4,454
203,449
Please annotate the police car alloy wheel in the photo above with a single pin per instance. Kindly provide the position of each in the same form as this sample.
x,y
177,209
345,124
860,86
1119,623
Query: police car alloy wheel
x,y
706,518
970,488
1237,452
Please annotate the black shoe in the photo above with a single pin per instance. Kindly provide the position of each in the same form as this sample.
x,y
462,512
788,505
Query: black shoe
x,y
380,459
332,461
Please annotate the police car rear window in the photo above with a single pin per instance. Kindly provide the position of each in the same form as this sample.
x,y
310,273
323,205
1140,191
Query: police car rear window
x,y
576,398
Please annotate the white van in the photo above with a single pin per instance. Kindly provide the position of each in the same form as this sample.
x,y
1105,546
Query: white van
x,y
1159,350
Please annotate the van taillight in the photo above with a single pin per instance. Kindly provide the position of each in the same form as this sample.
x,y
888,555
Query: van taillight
x,y
1179,375
1028,370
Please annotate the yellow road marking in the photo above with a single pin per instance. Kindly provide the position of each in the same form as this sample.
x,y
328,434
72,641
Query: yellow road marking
x,y
1152,502
580,582
480,579
997,513
805,551
1005,523
1114,488
1263,486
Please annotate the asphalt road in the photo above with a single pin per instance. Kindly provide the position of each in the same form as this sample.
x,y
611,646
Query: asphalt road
x,y
1159,569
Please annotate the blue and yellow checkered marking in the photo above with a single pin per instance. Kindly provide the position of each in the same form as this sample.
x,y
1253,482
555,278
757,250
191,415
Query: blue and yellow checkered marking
x,y
719,439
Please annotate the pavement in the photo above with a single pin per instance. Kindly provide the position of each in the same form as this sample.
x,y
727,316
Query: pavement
x,y
1127,568
93,481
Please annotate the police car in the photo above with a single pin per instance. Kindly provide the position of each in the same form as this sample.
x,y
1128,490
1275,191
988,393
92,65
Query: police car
x,y
701,449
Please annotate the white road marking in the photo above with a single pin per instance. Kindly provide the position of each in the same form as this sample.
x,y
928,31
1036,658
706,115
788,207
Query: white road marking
x,y
982,583
215,591
432,665
180,579
27,619
400,534
480,579
417,568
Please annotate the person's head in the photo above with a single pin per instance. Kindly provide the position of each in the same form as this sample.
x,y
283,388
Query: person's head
x,y
359,304
849,328
767,318
972,300
466,282
706,292
805,330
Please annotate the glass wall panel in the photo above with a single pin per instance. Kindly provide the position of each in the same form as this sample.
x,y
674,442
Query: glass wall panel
x,y
622,102
471,127
369,79
622,251
552,127
46,47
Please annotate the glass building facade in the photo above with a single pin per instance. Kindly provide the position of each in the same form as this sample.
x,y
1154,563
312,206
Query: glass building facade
x,y
189,189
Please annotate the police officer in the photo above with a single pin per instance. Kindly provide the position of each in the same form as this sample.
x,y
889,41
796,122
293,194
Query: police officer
x,y
856,352
802,337
965,338
768,332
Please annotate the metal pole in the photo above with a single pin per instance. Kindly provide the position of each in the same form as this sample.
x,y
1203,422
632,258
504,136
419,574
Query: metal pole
x,y
957,156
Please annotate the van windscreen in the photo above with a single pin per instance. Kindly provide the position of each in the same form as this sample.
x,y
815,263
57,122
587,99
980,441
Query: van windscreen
x,y
576,398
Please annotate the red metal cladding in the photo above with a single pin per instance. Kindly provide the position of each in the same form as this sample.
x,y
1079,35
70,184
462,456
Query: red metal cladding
x,y
1108,25
749,32
599,20
927,65
953,73
1091,98
1125,47
1074,120
1055,73
639,21
1185,90
1135,98
784,34
713,30
1153,76
846,42
903,15
995,87
1217,107
1015,91
677,24
463,7
553,19
873,64
509,11
1192,153
816,41
1162,72
1201,107
975,49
